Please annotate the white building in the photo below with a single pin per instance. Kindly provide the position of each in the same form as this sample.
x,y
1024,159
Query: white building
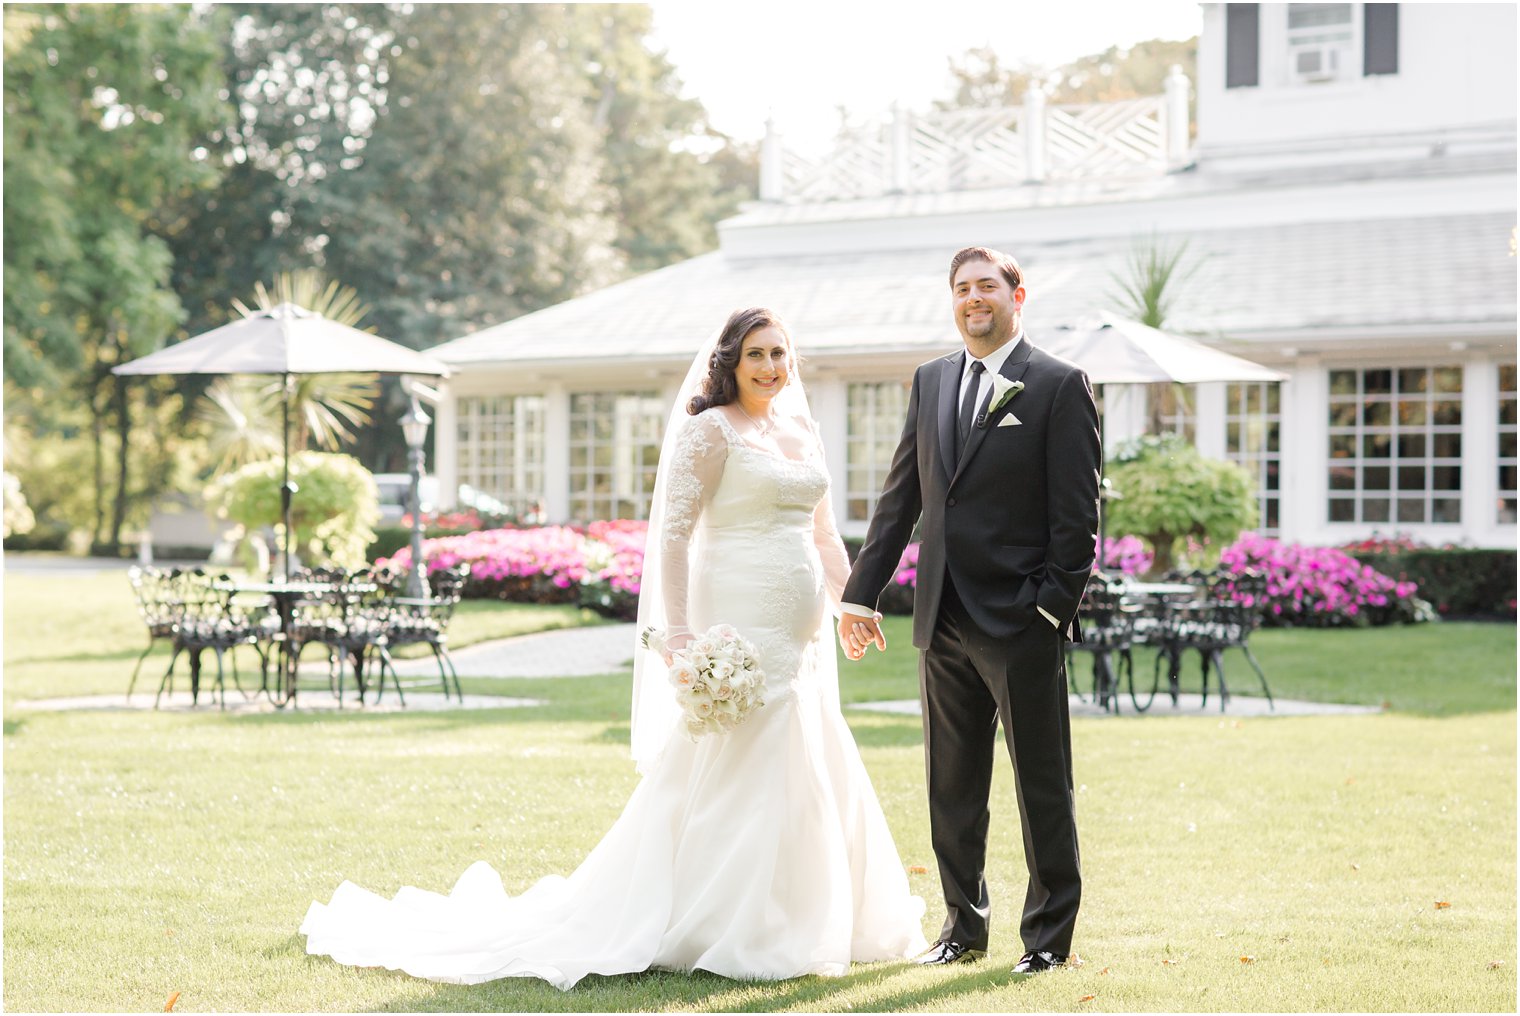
x,y
1349,208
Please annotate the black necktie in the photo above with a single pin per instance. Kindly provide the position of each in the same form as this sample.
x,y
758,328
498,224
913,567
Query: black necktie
x,y
968,406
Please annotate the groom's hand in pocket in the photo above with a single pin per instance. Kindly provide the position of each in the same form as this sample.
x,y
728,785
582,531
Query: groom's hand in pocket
x,y
858,631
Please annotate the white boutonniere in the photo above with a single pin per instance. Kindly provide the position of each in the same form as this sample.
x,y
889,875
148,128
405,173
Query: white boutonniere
x,y
1002,391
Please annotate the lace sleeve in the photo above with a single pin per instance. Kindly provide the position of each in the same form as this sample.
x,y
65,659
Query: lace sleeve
x,y
699,454
836,560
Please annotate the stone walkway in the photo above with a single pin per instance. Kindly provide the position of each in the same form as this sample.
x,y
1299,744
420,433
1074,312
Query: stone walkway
x,y
569,652
608,649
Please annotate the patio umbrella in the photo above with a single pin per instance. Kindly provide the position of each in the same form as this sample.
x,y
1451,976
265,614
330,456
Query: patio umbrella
x,y
1115,350
286,340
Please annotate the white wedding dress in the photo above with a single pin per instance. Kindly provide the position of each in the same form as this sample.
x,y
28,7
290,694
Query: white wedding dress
x,y
760,854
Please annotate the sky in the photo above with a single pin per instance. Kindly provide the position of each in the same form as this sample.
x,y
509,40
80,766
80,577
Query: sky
x,y
801,61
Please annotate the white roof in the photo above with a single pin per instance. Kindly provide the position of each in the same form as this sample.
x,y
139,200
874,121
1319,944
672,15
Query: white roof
x,y
1286,283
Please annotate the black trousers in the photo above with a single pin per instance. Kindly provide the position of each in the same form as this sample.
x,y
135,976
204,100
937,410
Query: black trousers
x,y
969,681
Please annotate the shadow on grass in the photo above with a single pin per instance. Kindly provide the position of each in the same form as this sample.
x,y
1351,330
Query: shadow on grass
x,y
659,990
14,727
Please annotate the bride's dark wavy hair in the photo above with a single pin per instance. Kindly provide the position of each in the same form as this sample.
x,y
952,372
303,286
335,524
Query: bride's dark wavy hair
x,y
721,386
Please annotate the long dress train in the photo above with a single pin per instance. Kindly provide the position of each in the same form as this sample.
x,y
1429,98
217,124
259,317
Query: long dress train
x,y
762,853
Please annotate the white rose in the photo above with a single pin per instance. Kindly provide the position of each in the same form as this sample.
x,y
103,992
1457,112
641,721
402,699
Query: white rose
x,y
683,674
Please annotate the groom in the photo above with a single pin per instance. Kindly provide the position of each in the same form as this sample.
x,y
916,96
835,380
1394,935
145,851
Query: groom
x,y
999,457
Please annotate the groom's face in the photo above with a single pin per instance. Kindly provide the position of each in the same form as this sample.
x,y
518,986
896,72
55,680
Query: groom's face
x,y
986,306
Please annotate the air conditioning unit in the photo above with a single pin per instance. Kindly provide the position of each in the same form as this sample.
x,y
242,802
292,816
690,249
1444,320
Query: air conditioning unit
x,y
1317,63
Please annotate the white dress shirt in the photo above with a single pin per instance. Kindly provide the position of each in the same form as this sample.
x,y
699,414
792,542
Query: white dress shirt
x,y
994,363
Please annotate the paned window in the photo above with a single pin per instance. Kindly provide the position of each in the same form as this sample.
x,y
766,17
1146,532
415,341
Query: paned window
x,y
614,449
876,414
1253,438
501,449
1506,503
1169,410
1396,445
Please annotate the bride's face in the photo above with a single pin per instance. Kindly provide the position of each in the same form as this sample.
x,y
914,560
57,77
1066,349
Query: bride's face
x,y
764,364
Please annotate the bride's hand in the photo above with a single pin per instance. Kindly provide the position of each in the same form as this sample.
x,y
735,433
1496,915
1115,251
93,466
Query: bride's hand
x,y
857,631
674,644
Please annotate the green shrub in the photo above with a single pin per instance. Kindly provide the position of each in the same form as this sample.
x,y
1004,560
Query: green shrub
x,y
1169,492
1459,581
332,512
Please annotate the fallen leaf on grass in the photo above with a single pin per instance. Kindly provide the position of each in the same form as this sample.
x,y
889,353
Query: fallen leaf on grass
x,y
169,1005
1248,959
1168,962
1087,998
1495,964
1103,971
1356,867
1442,905
917,869
1075,960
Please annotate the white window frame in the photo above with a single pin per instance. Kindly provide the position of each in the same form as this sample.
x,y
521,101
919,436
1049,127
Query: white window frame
x,y
514,475
1505,394
882,405
1266,455
630,475
1362,434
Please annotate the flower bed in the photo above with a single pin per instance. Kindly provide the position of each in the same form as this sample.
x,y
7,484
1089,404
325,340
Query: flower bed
x,y
1321,587
598,566
1306,586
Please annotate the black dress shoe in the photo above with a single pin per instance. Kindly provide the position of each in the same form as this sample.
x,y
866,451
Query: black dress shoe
x,y
942,953
1038,962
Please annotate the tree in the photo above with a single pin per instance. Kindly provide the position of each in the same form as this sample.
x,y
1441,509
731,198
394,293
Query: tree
x,y
247,414
1172,492
667,169
102,104
332,518
979,79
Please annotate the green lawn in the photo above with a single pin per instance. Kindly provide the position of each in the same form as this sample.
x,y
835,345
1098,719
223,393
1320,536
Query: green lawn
x,y
1438,669
148,854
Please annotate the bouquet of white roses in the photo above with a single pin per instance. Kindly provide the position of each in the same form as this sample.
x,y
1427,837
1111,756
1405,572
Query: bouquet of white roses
x,y
717,678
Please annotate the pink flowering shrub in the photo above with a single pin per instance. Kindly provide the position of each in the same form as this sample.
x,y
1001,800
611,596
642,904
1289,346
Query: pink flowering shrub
x,y
1306,586
598,567
1322,587
1125,555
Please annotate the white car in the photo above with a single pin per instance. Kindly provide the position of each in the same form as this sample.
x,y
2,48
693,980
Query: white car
x,y
396,491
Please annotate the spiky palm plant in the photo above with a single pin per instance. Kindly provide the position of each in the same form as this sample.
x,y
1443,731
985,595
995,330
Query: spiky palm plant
x,y
245,413
1148,290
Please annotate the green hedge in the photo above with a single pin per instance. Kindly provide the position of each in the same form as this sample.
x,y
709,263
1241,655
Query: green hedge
x,y
1458,581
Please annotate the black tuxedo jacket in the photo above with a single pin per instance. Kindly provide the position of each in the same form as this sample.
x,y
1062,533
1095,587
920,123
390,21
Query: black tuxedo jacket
x,y
1014,521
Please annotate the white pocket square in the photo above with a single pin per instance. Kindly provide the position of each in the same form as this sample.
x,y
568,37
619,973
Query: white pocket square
x,y
1010,421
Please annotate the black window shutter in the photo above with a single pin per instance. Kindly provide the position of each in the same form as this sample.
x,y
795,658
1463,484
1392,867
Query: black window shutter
x,y
1242,44
1380,39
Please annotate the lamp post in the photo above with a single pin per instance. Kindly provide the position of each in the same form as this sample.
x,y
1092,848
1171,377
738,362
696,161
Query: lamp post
x,y
414,425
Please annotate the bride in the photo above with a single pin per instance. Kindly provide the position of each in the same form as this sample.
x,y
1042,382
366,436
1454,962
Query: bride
x,y
761,853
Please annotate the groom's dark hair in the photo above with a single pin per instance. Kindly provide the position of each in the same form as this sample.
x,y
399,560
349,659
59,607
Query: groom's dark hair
x,y
721,386
1004,262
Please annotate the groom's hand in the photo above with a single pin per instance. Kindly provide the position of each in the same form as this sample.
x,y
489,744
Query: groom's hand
x,y
857,631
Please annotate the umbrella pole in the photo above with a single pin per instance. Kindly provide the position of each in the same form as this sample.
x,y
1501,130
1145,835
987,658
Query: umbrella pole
x,y
285,488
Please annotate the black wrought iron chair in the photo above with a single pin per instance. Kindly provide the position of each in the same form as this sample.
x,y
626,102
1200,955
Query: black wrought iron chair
x,y
347,619
1170,626
1108,629
1223,617
206,617
425,621
156,590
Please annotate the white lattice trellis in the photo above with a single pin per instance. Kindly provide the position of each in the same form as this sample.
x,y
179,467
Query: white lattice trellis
x,y
1107,138
965,149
